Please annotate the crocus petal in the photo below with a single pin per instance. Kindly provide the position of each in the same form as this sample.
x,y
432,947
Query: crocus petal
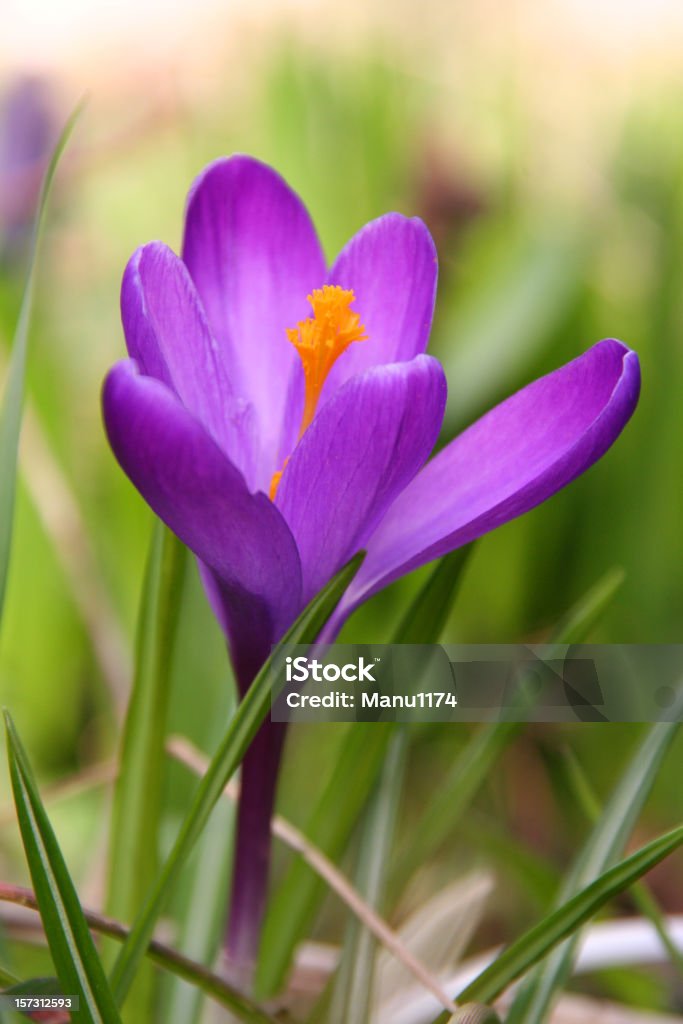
x,y
361,450
391,266
254,256
168,336
191,485
509,461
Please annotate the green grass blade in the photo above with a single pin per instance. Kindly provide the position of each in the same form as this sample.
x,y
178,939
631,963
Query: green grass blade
x,y
353,985
296,900
422,624
171,960
250,713
13,400
73,952
588,610
7,978
526,285
425,619
581,791
203,922
539,940
134,844
455,794
293,907
605,842
453,797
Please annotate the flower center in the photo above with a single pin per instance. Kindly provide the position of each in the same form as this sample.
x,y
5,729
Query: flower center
x,y
320,340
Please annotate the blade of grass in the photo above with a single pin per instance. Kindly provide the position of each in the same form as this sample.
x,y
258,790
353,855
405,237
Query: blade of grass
x,y
293,907
250,713
134,842
353,984
73,952
334,879
7,978
164,956
524,293
294,904
606,841
201,928
587,612
423,623
586,798
539,940
13,400
454,796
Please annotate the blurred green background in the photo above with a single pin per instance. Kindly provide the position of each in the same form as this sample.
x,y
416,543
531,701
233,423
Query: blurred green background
x,y
542,145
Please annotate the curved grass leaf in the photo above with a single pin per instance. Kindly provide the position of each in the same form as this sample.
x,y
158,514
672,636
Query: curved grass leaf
x,y
607,839
177,964
581,790
133,856
73,952
7,979
295,903
426,618
243,727
589,609
538,941
454,795
293,907
10,414
423,623
353,985
523,295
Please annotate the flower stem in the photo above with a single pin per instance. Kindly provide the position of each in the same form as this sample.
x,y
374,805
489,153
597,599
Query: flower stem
x,y
252,851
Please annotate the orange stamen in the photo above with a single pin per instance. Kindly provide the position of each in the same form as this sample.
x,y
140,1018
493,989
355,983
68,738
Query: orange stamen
x,y
320,340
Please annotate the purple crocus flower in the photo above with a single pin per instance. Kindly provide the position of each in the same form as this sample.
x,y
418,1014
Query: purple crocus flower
x,y
276,443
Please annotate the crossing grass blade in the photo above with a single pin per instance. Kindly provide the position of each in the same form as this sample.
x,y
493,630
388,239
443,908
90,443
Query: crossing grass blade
x,y
353,987
453,797
538,941
13,400
73,952
423,623
581,790
134,844
248,717
604,844
295,903
176,964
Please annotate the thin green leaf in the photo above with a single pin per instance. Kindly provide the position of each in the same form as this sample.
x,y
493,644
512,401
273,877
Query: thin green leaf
x,y
588,610
425,619
134,844
607,839
7,978
453,797
538,941
170,959
294,905
250,713
473,766
353,985
13,400
581,789
71,945
203,920
522,296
